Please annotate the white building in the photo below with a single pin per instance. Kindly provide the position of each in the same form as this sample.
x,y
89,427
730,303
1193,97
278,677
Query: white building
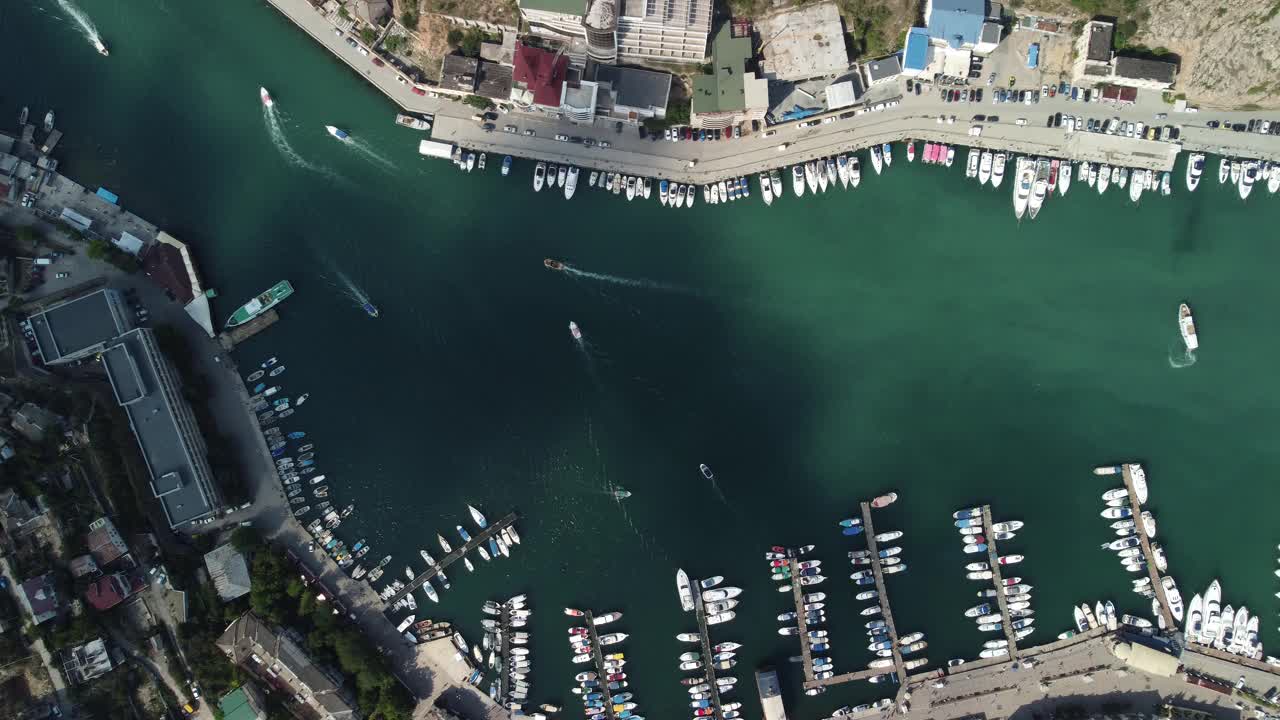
x,y
670,31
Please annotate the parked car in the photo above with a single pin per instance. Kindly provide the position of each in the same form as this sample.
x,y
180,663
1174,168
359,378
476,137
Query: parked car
x,y
562,138
417,90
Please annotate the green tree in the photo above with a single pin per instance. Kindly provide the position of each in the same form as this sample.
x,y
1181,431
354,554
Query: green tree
x,y
368,35
477,101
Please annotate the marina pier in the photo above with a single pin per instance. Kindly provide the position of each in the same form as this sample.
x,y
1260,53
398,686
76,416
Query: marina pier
x,y
699,608
504,650
797,595
447,560
886,613
993,559
1147,553
597,659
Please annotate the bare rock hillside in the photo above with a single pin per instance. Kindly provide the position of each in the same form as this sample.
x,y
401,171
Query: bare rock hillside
x,y
1230,49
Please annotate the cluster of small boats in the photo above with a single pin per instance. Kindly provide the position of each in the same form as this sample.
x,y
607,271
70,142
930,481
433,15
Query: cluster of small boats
x,y
1035,179
604,689
825,173
499,543
506,642
1130,532
1226,628
1244,174
706,688
806,573
988,614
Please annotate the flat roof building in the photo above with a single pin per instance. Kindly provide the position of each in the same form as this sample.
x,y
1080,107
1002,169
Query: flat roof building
x,y
917,52
471,76
104,541
957,23
621,30
802,43
883,69
243,703
146,386
632,94
731,94
83,663
35,423
1143,72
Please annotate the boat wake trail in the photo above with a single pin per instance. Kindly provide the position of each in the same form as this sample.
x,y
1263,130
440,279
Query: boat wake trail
x,y
1179,357
365,149
588,359
716,486
630,282
85,25
275,129
351,290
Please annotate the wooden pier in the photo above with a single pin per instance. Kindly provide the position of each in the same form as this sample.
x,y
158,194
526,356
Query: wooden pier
x,y
993,559
597,659
699,607
476,541
797,594
504,649
869,530
1147,553
230,338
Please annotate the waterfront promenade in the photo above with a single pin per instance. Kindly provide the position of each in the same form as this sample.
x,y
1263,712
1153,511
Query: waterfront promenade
x,y
916,117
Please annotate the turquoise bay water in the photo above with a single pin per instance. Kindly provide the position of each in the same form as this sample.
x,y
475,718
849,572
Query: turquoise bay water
x,y
910,335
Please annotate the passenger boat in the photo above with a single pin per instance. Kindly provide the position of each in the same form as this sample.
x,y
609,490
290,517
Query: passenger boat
x,y
1187,327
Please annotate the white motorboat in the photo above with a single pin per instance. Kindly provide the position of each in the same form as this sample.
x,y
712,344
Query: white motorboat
x,y
1064,178
971,164
811,177
1022,187
1235,172
539,176
1173,596
877,159
1194,615
684,590
1038,193
648,187
984,167
1138,185
1248,175
855,171
1224,170
1187,326
951,155
571,183
1104,179
766,189
797,180
997,169
842,169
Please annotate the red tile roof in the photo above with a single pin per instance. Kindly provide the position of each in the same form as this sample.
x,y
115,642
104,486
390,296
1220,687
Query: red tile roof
x,y
541,72
163,264
108,591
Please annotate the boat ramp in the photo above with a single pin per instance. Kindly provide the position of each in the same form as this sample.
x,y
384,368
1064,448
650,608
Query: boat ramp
x,y
452,557
993,559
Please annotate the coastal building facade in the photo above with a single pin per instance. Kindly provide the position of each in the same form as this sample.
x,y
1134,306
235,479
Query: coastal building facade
x,y
1097,63
277,658
631,94
803,42
146,386
731,94
537,78
620,30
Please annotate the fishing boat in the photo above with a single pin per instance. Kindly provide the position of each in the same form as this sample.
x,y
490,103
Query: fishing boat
x,y
1187,326
1022,189
275,295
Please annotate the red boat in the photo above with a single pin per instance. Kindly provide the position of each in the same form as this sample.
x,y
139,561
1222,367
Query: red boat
x,y
911,151
1053,175
573,613
884,500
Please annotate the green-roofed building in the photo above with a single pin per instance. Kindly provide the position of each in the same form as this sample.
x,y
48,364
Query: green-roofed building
x,y
731,95
243,703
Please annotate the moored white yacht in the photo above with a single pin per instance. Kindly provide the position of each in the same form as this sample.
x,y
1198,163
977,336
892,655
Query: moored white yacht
x,y
877,158
1195,168
997,169
766,189
984,167
1248,174
1038,193
797,180
1025,176
539,176
1064,179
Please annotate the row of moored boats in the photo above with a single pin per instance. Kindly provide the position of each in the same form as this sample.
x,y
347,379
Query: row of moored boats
x,y
1006,606
706,686
605,689
499,544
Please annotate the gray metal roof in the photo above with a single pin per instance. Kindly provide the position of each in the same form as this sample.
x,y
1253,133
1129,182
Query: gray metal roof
x,y
70,327
229,571
634,87
884,68
1144,69
1100,41
130,367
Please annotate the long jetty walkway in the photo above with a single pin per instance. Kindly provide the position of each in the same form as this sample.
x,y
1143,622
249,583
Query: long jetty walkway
x,y
993,558
597,659
475,542
700,609
504,651
1147,553
883,597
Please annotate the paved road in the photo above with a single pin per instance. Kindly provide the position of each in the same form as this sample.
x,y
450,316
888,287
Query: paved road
x,y
716,160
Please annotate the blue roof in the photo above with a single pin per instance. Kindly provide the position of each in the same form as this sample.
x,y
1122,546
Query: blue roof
x,y
1033,56
107,195
915,56
957,22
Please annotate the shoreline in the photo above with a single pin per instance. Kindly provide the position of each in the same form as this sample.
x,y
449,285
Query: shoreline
x,y
915,118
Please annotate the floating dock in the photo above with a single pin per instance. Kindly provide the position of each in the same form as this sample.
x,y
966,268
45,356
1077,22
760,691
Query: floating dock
x,y
230,338
597,659
770,694
1148,554
504,648
886,613
993,559
447,560
699,607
